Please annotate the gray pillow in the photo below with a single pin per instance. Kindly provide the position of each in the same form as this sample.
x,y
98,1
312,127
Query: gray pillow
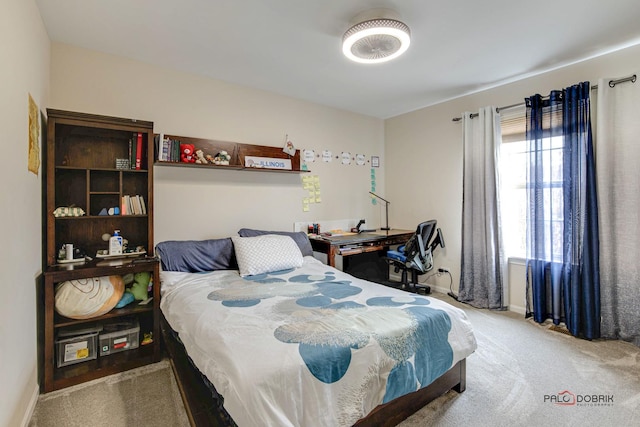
x,y
300,237
194,256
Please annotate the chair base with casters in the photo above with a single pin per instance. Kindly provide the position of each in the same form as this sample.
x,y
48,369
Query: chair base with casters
x,y
397,260
416,257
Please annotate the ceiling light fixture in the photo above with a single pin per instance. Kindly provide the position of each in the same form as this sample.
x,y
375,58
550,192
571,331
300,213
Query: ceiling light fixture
x,y
378,36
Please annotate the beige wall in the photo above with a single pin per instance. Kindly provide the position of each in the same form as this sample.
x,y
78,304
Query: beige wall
x,y
424,155
24,55
193,204
421,158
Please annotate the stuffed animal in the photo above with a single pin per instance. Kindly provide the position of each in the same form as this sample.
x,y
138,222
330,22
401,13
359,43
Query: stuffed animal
x,y
90,297
200,159
148,338
140,286
187,153
222,158
127,298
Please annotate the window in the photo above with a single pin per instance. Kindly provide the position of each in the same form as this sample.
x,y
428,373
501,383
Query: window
x,y
513,182
513,166
513,198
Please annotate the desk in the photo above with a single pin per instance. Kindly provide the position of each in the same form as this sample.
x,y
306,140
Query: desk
x,y
358,243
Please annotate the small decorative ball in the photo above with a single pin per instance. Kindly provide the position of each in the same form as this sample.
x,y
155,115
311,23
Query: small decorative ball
x,y
106,237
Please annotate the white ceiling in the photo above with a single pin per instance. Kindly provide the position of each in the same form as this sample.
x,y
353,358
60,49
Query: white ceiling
x,y
292,47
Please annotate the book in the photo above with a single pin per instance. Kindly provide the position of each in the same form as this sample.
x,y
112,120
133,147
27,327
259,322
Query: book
x,y
176,150
157,143
139,151
144,207
137,207
132,210
168,147
132,152
163,151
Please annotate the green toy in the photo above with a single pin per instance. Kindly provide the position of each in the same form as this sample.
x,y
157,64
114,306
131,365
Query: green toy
x,y
140,286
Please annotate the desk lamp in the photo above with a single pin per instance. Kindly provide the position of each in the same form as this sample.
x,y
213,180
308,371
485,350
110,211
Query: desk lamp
x,y
386,208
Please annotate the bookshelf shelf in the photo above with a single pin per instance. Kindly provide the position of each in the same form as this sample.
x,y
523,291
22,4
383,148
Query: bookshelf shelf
x,y
103,169
98,217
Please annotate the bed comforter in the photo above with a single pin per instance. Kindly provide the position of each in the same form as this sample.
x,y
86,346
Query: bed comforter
x,y
312,346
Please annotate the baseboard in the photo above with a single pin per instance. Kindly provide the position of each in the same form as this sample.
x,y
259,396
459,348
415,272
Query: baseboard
x,y
32,406
517,309
439,289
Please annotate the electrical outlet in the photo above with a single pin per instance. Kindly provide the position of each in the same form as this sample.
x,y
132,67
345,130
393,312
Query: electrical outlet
x,y
443,270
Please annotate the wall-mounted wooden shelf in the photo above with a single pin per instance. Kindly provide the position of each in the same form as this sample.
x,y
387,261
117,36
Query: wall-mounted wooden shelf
x,y
237,151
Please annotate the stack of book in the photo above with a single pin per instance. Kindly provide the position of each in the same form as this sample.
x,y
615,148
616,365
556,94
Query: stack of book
x,y
133,205
136,151
168,149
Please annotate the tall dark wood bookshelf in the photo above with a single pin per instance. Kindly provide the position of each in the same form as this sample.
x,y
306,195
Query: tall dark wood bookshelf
x,y
82,171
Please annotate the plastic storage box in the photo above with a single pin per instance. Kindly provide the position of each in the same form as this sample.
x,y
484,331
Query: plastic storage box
x,y
119,337
76,349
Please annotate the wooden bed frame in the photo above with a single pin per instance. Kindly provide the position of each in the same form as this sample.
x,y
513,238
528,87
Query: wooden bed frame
x,y
204,405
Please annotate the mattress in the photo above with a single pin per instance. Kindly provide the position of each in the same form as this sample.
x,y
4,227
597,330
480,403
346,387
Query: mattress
x,y
310,345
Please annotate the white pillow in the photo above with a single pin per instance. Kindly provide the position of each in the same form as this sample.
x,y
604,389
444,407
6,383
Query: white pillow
x,y
266,253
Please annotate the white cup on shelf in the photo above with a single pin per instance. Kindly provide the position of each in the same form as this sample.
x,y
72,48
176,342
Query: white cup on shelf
x,y
68,248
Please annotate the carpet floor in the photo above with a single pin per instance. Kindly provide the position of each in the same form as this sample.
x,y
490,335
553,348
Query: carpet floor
x,y
146,396
522,374
522,371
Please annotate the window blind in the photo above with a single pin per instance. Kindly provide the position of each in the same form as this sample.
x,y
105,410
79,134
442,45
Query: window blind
x,y
513,122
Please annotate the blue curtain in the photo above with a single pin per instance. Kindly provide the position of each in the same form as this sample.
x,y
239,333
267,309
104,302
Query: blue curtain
x,y
563,279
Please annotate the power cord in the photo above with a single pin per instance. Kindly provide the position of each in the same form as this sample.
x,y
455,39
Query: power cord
x,y
440,272
443,270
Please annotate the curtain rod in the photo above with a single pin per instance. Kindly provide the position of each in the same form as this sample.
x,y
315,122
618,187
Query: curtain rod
x,y
612,83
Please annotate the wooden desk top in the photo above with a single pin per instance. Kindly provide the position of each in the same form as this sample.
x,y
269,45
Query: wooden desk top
x,y
363,237
367,241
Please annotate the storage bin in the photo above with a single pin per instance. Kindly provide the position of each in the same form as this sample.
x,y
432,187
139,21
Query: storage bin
x,y
76,349
119,337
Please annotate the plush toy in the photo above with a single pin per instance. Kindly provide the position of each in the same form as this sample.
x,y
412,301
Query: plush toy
x,y
187,153
127,298
127,279
200,159
140,285
222,158
90,297
148,338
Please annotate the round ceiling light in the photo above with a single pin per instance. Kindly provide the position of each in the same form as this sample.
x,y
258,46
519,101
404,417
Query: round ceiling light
x,y
376,40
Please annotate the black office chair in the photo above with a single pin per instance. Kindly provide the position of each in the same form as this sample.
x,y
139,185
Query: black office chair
x,y
416,256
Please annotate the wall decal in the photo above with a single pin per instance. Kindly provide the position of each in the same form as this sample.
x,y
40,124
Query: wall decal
x,y
326,156
346,158
309,156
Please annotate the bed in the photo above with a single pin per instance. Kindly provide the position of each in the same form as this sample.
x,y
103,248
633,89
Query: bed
x,y
260,333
